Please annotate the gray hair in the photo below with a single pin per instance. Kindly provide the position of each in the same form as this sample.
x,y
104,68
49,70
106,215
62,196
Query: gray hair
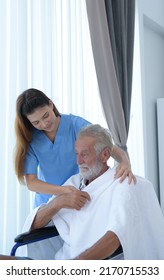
x,y
102,136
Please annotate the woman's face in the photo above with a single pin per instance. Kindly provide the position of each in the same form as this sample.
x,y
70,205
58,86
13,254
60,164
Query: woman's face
x,y
43,118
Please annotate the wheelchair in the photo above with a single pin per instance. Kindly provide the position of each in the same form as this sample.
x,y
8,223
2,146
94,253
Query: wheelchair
x,y
43,234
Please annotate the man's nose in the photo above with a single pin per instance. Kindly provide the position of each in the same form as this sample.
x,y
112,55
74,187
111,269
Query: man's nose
x,y
79,159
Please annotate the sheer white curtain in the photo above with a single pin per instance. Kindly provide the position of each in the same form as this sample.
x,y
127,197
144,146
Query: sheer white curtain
x,y
44,44
135,142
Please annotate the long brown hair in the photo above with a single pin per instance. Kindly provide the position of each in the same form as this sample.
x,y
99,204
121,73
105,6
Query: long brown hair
x,y
27,102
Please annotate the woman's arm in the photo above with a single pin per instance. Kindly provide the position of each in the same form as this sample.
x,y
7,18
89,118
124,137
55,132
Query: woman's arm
x,y
124,168
36,185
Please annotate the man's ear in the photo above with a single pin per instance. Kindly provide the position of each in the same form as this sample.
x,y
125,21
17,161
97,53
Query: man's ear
x,y
105,155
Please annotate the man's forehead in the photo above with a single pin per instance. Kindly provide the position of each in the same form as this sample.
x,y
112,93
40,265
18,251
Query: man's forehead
x,y
85,142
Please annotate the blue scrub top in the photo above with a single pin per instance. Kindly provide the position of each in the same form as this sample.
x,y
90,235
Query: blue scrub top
x,y
54,162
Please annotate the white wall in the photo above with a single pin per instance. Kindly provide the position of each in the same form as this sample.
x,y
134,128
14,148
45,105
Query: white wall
x,y
151,38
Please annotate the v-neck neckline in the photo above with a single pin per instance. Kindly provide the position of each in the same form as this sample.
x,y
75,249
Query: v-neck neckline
x,y
56,134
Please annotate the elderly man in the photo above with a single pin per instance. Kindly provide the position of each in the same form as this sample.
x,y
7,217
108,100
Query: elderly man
x,y
100,215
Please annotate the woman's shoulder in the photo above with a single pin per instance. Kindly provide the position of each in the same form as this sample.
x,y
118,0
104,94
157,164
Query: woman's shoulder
x,y
75,119
76,122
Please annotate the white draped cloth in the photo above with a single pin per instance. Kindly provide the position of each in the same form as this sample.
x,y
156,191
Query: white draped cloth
x,y
132,212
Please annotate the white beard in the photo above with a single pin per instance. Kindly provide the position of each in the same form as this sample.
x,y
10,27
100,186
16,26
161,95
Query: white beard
x,y
90,173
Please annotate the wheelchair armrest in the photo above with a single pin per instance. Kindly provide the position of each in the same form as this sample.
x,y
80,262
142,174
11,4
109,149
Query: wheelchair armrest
x,y
33,236
41,233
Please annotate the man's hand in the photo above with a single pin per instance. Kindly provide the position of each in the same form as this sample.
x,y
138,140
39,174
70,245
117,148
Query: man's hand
x,y
122,171
74,199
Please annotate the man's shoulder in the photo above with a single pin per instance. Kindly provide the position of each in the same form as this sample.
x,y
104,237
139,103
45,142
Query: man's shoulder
x,y
116,185
142,187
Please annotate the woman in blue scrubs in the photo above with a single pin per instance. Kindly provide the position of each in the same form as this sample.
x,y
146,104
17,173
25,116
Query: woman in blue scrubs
x,y
44,155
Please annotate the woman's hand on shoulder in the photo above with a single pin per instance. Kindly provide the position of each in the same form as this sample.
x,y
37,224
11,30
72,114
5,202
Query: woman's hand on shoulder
x,y
122,171
124,168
